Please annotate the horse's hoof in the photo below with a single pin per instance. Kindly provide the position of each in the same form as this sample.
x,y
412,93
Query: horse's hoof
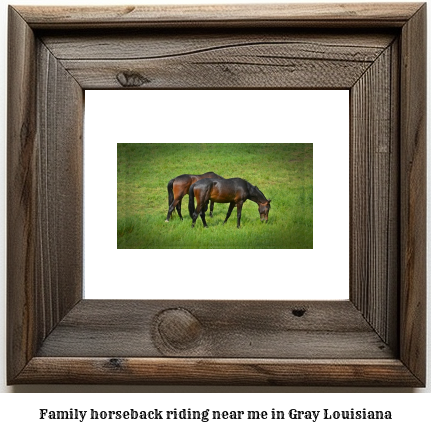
x,y
193,225
206,226
167,220
211,215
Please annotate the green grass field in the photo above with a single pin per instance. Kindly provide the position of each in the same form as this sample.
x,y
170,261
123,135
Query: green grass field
x,y
283,172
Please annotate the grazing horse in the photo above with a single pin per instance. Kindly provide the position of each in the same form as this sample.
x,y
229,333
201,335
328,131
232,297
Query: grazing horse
x,y
179,186
234,191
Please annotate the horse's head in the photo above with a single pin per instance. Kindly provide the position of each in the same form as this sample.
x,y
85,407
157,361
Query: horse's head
x,y
264,210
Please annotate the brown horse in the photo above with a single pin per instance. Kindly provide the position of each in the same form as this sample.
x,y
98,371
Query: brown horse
x,y
179,186
234,191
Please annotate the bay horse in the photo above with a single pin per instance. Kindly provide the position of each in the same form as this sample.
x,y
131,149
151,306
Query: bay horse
x,y
234,191
179,186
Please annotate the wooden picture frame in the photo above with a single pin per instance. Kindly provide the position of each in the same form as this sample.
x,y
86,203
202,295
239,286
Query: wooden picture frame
x,y
376,338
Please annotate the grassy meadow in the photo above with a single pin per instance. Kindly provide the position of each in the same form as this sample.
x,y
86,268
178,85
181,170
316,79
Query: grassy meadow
x,y
283,172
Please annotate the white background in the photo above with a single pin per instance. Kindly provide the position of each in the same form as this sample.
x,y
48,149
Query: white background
x,y
199,116
21,410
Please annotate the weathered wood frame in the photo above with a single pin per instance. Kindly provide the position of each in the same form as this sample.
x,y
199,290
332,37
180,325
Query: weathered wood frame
x,y
376,338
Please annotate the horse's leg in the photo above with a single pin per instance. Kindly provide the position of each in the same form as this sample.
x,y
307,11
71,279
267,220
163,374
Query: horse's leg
x,y
202,213
211,208
196,213
205,207
179,209
202,198
231,206
239,208
172,207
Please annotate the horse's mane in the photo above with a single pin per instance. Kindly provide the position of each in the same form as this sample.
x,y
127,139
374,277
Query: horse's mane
x,y
260,194
253,190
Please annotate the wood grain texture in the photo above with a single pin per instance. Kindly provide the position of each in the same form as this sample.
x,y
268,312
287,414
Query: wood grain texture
x,y
21,194
59,240
241,329
44,193
376,338
374,195
143,44
231,60
197,371
300,15
413,194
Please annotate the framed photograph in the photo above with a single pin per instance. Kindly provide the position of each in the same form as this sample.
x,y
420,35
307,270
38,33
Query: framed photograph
x,y
376,337
261,136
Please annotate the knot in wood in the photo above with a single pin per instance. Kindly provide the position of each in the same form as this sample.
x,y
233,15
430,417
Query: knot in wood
x,y
178,329
115,363
298,312
131,79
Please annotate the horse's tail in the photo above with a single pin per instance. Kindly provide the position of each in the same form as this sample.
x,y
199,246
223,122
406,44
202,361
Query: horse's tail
x,y
192,200
171,192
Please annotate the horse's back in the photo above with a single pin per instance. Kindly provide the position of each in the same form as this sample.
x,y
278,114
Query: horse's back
x,y
203,183
183,178
221,190
181,184
211,174
227,190
222,183
186,178
236,182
